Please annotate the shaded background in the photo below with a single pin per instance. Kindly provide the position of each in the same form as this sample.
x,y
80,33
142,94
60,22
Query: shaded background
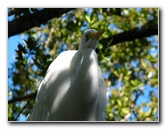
x,y
128,56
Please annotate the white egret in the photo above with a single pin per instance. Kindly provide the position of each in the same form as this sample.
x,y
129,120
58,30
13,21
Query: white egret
x,y
73,88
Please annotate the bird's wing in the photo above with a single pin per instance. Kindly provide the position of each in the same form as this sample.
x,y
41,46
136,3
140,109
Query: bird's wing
x,y
52,88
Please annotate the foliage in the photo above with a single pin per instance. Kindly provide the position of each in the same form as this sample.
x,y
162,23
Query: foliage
x,y
130,68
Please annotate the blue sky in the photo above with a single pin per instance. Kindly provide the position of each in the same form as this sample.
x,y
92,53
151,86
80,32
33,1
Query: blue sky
x,y
12,46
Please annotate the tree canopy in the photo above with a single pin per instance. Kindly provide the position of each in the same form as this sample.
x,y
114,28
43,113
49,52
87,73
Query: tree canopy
x,y
127,54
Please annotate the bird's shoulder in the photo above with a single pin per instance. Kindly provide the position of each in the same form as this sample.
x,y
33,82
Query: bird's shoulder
x,y
62,60
66,55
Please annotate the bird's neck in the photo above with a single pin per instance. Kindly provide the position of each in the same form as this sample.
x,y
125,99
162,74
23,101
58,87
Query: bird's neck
x,y
76,61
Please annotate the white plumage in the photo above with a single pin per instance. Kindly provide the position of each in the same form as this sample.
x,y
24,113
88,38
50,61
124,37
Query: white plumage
x,y
73,88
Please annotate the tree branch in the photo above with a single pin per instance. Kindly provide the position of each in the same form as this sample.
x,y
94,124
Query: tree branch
x,y
136,116
133,34
32,95
36,19
22,110
17,11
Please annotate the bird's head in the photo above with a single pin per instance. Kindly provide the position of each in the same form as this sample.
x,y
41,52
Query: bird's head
x,y
90,38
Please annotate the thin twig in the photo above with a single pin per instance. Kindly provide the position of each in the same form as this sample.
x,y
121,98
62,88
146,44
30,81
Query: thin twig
x,y
22,109
136,116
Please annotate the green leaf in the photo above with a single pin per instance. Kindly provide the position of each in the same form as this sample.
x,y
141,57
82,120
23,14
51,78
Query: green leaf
x,y
125,110
87,18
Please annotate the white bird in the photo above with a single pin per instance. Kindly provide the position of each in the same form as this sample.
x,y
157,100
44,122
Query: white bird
x,y
73,88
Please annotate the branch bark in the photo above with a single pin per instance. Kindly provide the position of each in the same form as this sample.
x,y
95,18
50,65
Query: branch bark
x,y
36,19
133,34
32,95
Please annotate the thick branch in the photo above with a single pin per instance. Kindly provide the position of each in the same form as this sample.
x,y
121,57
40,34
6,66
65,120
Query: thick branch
x,y
33,95
36,19
133,34
17,11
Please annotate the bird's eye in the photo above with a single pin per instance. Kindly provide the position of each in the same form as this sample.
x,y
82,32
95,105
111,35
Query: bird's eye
x,y
87,37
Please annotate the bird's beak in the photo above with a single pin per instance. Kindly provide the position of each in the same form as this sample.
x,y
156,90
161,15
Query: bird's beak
x,y
96,35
